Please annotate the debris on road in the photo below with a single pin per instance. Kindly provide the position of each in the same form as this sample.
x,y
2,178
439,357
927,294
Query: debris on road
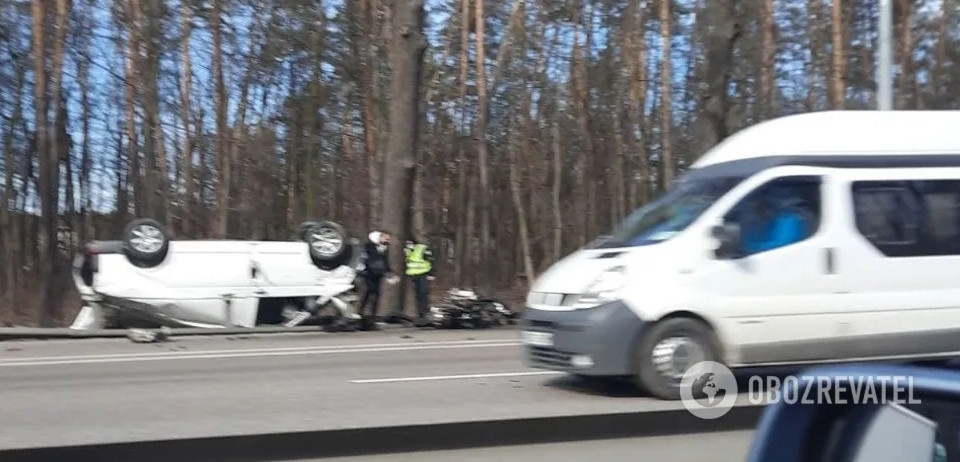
x,y
149,336
465,308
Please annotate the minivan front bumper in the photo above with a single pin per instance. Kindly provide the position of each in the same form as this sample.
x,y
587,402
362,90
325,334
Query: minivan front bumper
x,y
596,341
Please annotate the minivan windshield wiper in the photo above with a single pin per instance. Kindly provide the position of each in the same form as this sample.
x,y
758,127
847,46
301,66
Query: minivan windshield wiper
x,y
671,213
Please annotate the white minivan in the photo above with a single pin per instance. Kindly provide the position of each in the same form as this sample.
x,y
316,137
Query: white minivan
x,y
147,279
821,237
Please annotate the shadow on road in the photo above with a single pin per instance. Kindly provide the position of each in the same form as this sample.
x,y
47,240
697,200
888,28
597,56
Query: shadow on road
x,y
625,387
599,386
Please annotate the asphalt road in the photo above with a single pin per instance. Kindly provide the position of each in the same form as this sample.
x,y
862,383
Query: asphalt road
x,y
61,392
709,447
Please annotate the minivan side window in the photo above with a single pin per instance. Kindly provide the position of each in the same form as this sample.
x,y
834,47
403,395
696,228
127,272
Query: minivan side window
x,y
782,212
909,218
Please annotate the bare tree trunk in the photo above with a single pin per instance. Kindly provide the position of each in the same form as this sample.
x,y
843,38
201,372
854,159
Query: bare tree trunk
x,y
48,147
814,11
240,129
86,161
666,97
434,157
59,146
372,159
123,182
712,124
130,103
8,201
526,134
145,25
220,106
517,195
464,221
838,84
313,122
767,48
618,208
406,57
186,150
557,187
905,84
483,198
638,104
343,195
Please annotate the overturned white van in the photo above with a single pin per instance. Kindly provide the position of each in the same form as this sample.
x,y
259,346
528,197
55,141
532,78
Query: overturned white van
x,y
821,237
147,279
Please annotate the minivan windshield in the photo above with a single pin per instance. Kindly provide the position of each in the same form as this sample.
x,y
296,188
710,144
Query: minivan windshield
x,y
671,213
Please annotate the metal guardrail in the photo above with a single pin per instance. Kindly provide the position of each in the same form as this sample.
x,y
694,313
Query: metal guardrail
x,y
397,439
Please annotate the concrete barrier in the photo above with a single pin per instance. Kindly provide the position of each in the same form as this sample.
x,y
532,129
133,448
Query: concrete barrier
x,y
396,439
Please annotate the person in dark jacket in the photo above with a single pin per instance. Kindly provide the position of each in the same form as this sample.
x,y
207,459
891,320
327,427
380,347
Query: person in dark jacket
x,y
376,267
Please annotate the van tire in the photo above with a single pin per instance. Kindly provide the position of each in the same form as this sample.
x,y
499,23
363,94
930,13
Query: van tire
x,y
648,376
330,265
145,243
327,240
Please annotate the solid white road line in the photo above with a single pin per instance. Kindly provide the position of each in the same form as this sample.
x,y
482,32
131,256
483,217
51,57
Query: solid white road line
x,y
249,353
457,377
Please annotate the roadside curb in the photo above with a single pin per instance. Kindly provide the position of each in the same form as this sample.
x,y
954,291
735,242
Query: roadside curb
x,y
396,439
39,333
25,333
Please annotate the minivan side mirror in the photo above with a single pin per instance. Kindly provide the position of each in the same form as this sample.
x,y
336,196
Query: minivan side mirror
x,y
728,236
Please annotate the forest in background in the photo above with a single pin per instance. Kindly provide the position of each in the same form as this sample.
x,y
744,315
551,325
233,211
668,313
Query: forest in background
x,y
542,123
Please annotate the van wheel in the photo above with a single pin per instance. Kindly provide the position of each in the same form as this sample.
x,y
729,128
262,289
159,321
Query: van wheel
x,y
145,243
327,240
330,265
666,352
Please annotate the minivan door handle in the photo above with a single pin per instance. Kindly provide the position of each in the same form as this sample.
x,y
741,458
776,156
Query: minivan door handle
x,y
829,255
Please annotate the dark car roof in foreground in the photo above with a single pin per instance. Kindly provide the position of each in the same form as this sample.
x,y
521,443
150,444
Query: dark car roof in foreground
x,y
929,380
776,438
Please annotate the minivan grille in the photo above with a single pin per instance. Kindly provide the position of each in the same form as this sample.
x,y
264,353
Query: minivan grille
x,y
548,357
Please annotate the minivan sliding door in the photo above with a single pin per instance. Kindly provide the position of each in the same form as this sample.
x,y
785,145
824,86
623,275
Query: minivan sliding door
x,y
903,262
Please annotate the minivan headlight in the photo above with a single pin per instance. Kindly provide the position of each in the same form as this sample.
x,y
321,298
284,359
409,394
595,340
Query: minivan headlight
x,y
604,288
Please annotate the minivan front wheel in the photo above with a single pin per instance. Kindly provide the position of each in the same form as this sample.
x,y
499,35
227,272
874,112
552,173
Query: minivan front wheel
x,y
668,350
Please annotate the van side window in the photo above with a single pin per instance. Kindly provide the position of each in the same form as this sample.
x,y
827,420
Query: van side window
x,y
779,213
941,214
886,213
909,218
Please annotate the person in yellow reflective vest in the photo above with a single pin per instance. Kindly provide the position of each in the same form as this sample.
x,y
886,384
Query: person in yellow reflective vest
x,y
419,268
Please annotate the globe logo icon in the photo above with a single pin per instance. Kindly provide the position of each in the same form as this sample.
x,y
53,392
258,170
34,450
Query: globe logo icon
x,y
708,390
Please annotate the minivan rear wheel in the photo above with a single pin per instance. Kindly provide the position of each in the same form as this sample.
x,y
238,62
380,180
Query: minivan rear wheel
x,y
327,240
668,350
327,243
145,242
